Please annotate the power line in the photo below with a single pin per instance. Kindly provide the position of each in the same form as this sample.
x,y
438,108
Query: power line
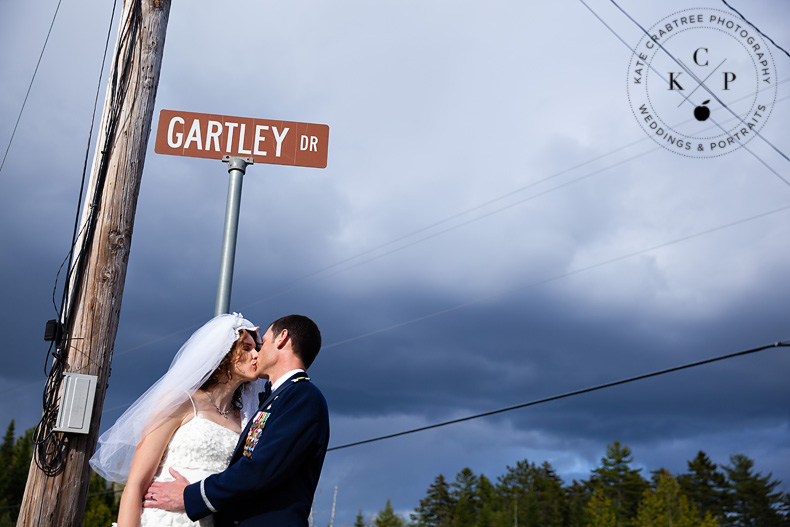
x,y
559,276
448,229
566,395
539,282
535,283
756,28
13,133
299,282
538,401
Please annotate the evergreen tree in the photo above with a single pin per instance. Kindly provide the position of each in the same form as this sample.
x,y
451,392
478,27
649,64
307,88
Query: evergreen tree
x,y
622,484
464,495
753,501
360,520
6,460
551,502
388,518
18,470
705,486
577,496
101,508
488,502
15,458
437,509
667,506
516,489
600,511
5,519
784,510
534,494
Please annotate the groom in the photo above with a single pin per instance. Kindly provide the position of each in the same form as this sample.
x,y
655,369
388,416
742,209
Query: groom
x,y
274,471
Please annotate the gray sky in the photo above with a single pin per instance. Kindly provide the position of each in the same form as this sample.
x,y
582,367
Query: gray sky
x,y
493,227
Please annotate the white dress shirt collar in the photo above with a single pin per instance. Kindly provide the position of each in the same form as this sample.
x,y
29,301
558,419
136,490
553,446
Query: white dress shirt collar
x,y
284,378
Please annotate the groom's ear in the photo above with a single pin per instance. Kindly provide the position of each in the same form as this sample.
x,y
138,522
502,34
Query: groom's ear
x,y
281,339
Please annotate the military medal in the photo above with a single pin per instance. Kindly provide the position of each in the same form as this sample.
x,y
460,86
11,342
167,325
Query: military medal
x,y
258,422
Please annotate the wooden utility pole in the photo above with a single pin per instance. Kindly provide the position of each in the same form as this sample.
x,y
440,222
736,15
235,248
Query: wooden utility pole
x,y
59,500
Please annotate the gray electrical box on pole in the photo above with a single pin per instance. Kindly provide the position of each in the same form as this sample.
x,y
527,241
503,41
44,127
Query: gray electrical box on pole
x,y
76,403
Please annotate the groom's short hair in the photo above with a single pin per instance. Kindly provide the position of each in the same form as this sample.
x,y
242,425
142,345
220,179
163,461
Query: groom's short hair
x,y
304,334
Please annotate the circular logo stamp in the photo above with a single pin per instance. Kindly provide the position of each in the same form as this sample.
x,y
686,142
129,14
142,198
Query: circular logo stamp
x,y
703,83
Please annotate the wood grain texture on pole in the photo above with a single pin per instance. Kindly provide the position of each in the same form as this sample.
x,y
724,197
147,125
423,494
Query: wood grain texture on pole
x,y
59,501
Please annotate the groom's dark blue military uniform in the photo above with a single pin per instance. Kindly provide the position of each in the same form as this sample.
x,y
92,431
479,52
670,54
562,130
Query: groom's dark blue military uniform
x,y
274,471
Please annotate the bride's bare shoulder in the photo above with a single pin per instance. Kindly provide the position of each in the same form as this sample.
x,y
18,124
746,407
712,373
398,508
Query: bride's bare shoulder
x,y
175,413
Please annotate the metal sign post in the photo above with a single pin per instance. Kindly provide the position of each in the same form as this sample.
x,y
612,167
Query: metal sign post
x,y
237,167
239,141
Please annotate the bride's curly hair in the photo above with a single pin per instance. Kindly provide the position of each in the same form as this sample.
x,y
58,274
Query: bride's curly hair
x,y
223,371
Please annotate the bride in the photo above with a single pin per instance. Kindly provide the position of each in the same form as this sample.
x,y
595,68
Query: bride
x,y
189,420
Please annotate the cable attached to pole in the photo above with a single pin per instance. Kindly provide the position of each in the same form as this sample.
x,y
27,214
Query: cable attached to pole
x,y
566,395
50,446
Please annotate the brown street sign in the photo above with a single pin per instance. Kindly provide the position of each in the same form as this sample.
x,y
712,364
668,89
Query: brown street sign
x,y
266,141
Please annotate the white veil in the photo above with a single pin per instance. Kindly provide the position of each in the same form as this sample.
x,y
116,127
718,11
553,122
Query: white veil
x,y
193,364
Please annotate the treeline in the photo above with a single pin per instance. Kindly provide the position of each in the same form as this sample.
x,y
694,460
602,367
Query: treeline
x,y
527,495
15,457
615,495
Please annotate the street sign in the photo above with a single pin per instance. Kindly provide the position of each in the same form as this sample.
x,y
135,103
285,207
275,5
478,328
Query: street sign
x,y
265,141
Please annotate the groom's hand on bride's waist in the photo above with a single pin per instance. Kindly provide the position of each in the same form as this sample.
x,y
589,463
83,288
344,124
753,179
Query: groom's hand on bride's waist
x,y
167,495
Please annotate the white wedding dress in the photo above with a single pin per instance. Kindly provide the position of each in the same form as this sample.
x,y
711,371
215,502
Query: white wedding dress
x,y
198,449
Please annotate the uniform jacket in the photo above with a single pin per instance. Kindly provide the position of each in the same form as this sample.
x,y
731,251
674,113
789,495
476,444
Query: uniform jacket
x,y
273,474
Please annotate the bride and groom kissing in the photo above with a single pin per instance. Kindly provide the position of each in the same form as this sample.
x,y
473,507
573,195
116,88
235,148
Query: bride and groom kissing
x,y
233,434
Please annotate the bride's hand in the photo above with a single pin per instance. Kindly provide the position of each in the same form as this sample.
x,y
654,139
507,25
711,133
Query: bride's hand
x,y
167,495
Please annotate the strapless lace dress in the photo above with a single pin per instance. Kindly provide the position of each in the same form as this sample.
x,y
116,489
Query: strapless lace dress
x,y
198,449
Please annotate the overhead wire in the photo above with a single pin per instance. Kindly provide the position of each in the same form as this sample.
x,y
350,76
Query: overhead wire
x,y
545,400
298,282
564,395
756,28
30,86
512,291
